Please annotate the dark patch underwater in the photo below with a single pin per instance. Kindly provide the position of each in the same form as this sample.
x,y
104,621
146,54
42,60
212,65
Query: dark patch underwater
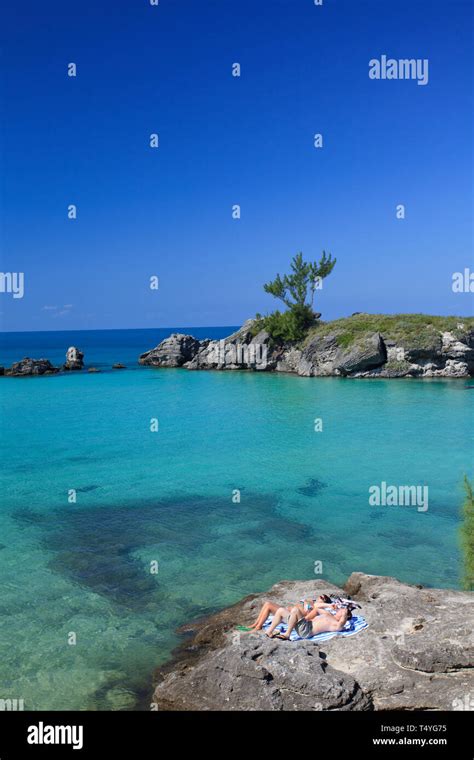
x,y
312,488
94,546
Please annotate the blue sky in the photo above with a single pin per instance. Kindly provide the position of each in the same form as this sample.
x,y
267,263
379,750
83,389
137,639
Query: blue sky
x,y
224,141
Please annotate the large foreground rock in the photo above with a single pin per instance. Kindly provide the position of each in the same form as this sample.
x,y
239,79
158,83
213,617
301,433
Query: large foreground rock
x,y
417,654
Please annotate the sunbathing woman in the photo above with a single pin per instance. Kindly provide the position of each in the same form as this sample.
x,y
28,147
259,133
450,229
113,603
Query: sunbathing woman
x,y
309,624
270,608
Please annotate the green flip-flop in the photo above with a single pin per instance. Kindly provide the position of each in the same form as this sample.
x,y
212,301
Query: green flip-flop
x,y
242,628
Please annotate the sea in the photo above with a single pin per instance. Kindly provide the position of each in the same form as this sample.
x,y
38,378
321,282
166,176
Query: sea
x,y
136,500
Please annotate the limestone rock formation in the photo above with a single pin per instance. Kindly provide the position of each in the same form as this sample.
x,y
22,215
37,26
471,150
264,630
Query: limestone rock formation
x,y
341,348
74,359
412,656
29,366
171,352
364,354
241,350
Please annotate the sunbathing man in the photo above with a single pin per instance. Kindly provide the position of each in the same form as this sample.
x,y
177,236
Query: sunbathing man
x,y
309,624
270,608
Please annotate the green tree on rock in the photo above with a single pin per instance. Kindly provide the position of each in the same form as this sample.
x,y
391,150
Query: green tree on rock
x,y
296,290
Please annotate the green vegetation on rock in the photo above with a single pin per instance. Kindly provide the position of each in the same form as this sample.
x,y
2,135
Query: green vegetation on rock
x,y
288,326
300,324
419,330
296,290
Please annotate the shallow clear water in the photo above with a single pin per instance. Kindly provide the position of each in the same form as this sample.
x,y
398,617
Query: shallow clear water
x,y
167,497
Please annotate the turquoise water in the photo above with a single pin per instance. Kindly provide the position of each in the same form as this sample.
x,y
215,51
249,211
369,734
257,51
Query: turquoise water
x,y
84,567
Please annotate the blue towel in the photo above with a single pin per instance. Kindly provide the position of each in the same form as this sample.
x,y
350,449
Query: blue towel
x,y
354,625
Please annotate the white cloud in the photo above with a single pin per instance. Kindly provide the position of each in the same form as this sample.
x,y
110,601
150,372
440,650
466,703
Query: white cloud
x,y
61,313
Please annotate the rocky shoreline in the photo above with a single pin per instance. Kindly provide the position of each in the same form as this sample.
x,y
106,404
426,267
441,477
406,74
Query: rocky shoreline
x,y
416,654
360,346
340,349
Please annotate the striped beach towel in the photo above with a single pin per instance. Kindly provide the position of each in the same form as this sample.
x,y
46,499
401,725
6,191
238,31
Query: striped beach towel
x,y
354,625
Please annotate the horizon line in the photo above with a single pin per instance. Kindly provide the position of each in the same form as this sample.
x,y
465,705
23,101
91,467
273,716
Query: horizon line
x,y
239,324
115,329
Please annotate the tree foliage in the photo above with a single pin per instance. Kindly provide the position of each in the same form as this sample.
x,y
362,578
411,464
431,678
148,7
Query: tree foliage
x,y
298,287
289,325
296,290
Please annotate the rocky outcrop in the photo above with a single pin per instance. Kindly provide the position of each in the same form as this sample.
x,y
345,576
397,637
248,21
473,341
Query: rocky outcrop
x,y
338,352
364,354
241,350
417,654
441,355
318,357
323,356
29,366
74,359
172,352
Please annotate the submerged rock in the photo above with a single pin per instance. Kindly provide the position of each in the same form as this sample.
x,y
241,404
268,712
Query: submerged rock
x,y
417,654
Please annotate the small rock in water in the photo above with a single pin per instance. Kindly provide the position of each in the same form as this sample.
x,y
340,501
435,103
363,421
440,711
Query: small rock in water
x,y
118,366
29,366
74,359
